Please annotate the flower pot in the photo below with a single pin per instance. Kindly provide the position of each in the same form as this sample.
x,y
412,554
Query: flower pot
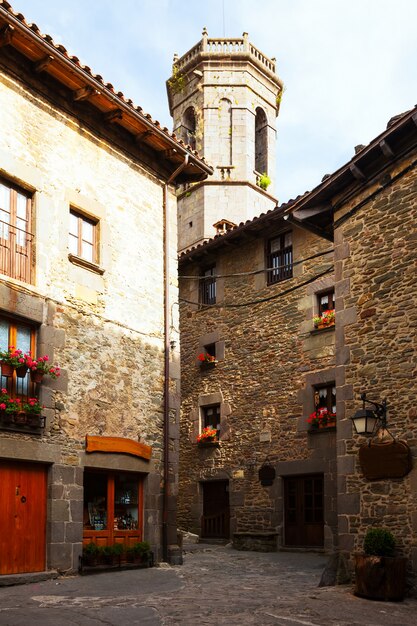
x,y
36,376
380,577
21,371
208,365
207,443
6,369
20,418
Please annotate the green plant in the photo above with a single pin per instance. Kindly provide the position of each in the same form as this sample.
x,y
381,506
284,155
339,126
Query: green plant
x,y
13,356
91,549
177,81
32,406
379,542
264,181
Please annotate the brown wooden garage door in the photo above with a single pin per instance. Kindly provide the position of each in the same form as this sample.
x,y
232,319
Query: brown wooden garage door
x,y
22,517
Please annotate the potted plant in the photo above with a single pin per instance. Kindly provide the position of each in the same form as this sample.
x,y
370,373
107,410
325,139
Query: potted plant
x,y
378,573
207,361
41,367
33,409
91,553
14,410
326,319
139,552
11,359
207,436
112,554
322,418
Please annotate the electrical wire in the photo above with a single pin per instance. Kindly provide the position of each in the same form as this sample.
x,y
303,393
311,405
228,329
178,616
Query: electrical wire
x,y
260,300
254,272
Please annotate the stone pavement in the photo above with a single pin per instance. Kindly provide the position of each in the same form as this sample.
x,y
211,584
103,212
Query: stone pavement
x,y
216,586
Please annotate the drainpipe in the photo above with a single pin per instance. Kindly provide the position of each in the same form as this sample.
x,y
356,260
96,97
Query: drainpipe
x,y
166,355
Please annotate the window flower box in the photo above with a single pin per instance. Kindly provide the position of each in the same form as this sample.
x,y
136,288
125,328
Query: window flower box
x,y
207,361
325,320
322,418
208,437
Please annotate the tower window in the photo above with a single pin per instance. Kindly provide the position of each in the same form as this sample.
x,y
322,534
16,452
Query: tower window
x,y
189,127
261,142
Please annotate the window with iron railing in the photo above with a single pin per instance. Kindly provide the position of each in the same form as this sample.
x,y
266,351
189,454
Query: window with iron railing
x,y
279,258
15,239
208,286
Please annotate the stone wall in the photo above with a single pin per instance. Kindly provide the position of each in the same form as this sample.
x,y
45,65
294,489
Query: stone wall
x,y
269,356
104,328
376,340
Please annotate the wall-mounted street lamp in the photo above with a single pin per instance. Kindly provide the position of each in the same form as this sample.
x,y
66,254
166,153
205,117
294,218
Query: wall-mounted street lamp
x,y
366,421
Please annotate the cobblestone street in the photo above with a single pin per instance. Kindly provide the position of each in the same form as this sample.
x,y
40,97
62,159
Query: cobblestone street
x,y
216,585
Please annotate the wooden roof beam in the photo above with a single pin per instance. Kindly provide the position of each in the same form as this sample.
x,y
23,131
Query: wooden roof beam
x,y
386,150
84,93
6,35
356,172
114,115
142,136
41,65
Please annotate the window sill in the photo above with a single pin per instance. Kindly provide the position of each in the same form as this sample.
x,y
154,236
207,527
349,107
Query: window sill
x,y
92,267
208,444
326,329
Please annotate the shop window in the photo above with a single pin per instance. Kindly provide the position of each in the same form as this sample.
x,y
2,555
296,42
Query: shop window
x,y
113,507
279,258
15,238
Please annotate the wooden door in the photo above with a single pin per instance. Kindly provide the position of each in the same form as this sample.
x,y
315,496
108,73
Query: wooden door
x,y
22,517
304,514
215,521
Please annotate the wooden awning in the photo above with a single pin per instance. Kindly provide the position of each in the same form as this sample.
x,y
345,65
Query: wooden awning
x,y
117,445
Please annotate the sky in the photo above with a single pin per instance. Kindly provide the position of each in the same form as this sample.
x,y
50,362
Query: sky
x,y
347,66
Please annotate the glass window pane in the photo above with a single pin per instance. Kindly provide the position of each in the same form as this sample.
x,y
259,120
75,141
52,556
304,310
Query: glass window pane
x,y
288,240
126,501
4,335
73,244
275,244
87,251
21,206
73,228
88,231
4,198
95,501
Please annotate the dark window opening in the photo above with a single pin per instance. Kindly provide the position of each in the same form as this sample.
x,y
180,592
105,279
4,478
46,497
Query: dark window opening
x,y
325,398
279,258
189,127
208,286
210,349
326,301
261,142
211,417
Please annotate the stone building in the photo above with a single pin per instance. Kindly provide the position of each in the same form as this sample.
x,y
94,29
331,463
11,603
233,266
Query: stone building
x,y
224,96
86,195
268,368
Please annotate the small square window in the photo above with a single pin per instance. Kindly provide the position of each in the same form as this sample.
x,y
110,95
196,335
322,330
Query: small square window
x,y
326,301
210,349
83,237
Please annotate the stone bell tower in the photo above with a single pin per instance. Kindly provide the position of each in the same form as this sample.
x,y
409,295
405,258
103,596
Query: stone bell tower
x,y
224,97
